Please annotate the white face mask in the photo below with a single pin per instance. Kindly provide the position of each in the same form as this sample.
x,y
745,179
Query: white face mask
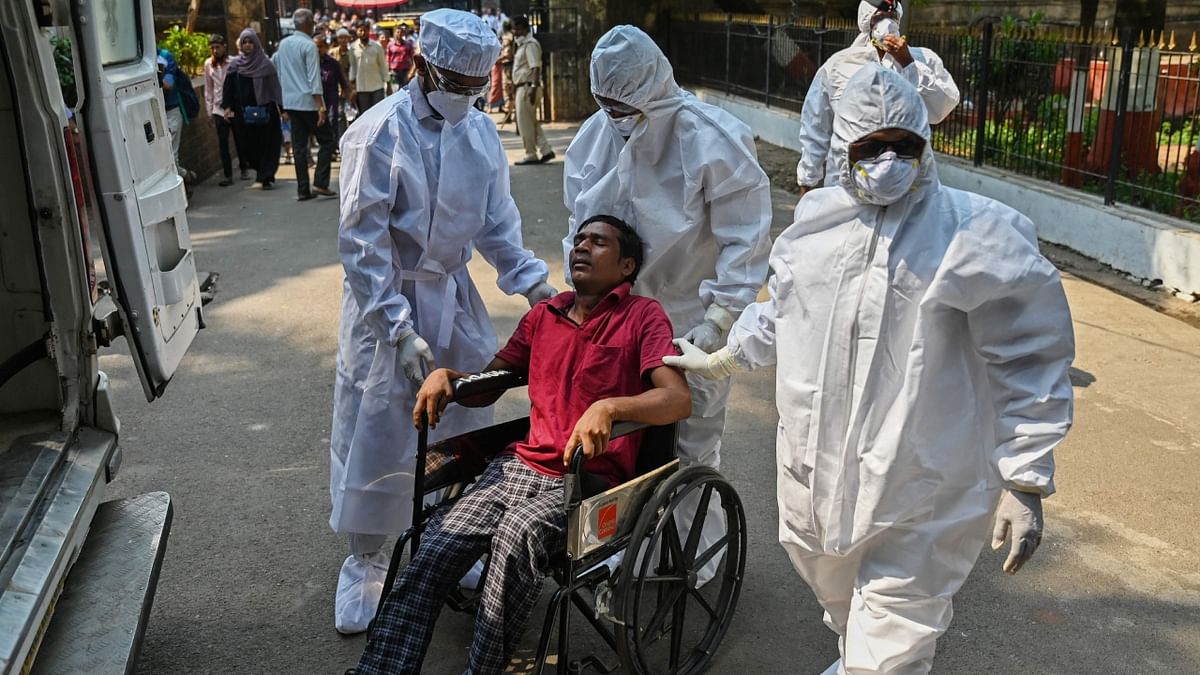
x,y
625,125
884,28
885,179
452,107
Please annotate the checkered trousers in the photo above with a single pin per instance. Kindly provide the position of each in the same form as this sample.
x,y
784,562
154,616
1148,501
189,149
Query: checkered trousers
x,y
517,514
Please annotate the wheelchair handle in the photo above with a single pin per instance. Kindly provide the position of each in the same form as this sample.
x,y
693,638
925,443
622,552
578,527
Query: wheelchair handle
x,y
487,382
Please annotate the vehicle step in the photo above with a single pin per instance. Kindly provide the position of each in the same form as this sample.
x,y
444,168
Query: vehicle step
x,y
100,617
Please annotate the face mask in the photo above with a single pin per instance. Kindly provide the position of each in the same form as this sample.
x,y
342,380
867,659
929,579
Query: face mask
x,y
885,179
884,28
452,107
625,125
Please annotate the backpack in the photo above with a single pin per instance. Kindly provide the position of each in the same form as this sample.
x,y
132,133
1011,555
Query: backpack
x,y
187,96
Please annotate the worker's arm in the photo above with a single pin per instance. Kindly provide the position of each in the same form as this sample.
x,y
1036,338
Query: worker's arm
x,y
816,130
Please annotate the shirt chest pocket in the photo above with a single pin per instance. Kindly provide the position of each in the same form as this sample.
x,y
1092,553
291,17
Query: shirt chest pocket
x,y
604,371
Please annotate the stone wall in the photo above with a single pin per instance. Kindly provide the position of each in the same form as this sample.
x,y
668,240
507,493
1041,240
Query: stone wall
x,y
198,151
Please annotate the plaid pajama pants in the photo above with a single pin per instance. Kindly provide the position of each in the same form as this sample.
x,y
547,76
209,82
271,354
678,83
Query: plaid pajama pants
x,y
517,514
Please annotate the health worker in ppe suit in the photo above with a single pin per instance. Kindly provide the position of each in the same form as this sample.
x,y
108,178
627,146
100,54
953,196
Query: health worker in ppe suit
x,y
686,175
879,42
921,345
424,183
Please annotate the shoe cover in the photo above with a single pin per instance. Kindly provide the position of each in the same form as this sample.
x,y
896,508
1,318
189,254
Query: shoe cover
x,y
360,586
833,669
470,580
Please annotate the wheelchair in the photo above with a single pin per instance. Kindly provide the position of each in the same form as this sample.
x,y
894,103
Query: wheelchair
x,y
649,610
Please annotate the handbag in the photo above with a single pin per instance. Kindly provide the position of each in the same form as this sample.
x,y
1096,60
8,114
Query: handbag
x,y
255,115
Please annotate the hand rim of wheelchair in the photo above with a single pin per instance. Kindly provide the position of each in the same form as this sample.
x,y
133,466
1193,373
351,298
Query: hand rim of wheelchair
x,y
633,635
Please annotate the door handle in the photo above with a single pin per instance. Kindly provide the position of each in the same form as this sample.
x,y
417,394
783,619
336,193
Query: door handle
x,y
149,132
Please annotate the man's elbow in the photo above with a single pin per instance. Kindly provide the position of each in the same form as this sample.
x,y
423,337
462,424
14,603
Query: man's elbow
x,y
681,405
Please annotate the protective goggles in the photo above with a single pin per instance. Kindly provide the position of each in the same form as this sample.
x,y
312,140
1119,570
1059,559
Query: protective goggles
x,y
615,107
450,87
907,148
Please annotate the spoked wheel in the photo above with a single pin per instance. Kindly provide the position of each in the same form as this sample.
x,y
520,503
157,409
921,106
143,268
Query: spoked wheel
x,y
668,626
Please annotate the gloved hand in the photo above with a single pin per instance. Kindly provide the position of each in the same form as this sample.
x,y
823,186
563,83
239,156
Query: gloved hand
x,y
415,355
1019,516
710,334
718,365
539,293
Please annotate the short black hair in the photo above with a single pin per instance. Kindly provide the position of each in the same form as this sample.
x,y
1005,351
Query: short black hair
x,y
520,21
216,39
631,244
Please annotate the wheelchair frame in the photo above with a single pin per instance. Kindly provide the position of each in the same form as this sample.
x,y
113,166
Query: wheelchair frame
x,y
601,523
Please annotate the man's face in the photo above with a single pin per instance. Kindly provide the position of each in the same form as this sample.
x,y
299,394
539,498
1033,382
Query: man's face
x,y
520,31
450,81
217,50
343,40
596,262
364,33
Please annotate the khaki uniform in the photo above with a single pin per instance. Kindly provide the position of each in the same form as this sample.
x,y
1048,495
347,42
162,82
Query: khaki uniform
x,y
528,57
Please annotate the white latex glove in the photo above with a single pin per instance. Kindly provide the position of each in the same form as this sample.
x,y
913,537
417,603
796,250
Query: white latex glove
x,y
716,366
415,355
1019,517
539,293
710,334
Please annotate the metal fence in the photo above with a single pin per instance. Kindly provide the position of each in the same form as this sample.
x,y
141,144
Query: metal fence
x,y
1115,115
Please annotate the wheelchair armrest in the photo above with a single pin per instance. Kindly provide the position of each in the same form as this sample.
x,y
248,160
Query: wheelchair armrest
x,y
574,480
489,382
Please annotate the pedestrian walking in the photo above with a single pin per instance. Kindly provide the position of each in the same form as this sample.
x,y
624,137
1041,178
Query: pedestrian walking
x,y
253,99
368,69
214,84
299,64
508,50
334,84
400,61
879,41
527,74
425,182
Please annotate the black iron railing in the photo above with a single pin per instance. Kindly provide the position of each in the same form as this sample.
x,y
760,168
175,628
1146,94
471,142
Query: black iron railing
x,y
1114,115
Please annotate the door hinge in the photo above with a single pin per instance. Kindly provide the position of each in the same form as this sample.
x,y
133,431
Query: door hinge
x,y
106,321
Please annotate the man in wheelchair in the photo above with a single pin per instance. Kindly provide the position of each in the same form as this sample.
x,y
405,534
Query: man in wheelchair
x,y
592,358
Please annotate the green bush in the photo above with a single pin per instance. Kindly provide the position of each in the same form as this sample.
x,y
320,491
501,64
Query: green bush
x,y
190,49
64,61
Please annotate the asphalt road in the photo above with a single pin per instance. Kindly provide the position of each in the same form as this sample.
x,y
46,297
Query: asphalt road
x,y
240,440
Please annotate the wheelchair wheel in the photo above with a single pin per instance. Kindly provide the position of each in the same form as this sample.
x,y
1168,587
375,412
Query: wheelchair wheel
x,y
666,625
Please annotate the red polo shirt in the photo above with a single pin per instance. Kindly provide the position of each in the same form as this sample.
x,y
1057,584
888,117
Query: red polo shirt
x,y
571,366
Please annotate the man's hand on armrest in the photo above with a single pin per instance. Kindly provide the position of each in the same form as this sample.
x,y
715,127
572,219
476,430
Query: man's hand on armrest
x,y
669,401
435,393
438,389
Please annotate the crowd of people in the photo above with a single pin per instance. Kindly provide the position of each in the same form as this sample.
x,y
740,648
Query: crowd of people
x,y
921,341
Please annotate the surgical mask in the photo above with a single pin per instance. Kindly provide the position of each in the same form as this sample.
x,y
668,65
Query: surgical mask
x,y
625,125
885,179
884,28
452,107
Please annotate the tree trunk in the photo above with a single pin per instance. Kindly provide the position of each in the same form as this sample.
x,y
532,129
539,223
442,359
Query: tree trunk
x,y
1141,15
193,12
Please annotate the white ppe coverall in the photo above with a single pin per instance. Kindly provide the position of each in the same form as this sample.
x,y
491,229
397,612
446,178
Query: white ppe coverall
x,y
921,352
926,73
418,196
688,181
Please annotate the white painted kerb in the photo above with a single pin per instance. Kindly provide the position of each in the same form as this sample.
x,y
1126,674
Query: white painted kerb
x,y
1135,241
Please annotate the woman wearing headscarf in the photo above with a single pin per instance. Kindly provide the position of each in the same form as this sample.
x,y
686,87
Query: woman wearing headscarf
x,y
253,100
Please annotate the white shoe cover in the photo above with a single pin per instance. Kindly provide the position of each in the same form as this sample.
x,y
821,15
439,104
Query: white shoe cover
x,y
833,669
360,586
470,580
